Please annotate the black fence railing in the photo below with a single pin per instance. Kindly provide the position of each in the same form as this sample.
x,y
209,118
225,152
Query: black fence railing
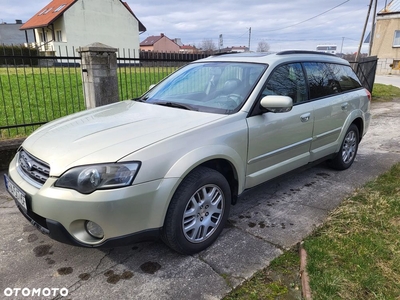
x,y
36,89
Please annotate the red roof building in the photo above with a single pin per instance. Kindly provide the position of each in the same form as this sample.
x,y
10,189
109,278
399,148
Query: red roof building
x,y
188,49
71,24
159,43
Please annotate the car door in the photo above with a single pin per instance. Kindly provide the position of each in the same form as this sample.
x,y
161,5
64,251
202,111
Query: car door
x,y
331,107
280,142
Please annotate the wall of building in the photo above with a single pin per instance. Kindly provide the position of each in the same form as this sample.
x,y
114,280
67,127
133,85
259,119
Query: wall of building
x,y
383,44
147,48
104,21
50,44
166,45
385,66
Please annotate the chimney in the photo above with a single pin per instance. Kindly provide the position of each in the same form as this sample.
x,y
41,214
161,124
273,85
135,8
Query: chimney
x,y
18,21
162,34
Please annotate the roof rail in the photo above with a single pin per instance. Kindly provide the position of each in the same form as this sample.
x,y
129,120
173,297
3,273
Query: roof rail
x,y
286,52
223,53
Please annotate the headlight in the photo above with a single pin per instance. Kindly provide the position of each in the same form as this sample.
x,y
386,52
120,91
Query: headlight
x,y
87,179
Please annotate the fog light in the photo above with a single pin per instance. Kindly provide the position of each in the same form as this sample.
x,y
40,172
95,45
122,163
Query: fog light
x,y
94,229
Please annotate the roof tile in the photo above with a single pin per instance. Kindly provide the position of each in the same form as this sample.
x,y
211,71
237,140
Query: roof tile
x,y
48,14
55,9
151,40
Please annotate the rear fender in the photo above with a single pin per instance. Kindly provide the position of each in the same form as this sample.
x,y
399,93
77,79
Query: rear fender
x,y
354,115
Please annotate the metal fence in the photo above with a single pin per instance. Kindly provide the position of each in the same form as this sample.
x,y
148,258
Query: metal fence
x,y
36,89
365,70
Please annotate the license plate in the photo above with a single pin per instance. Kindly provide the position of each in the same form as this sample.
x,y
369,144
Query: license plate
x,y
15,192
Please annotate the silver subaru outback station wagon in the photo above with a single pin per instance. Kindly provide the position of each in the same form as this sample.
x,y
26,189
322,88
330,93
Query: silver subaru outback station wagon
x,y
171,163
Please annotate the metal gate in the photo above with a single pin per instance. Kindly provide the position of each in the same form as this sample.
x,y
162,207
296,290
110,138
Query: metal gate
x,y
365,70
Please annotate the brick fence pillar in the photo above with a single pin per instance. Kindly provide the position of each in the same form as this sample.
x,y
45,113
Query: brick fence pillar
x,y
99,74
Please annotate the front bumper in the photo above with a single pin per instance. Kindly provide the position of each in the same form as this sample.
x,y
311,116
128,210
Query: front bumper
x,y
126,215
57,231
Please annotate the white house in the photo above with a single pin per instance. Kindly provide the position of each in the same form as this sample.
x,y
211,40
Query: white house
x,y
64,25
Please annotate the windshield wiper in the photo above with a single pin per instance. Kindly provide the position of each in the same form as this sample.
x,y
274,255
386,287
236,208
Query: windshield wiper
x,y
174,104
138,99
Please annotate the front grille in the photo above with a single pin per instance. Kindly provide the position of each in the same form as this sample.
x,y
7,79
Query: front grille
x,y
33,168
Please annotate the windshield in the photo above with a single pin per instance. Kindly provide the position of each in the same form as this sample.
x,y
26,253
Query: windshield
x,y
217,87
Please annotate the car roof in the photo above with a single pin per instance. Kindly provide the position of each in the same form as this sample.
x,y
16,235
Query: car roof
x,y
276,58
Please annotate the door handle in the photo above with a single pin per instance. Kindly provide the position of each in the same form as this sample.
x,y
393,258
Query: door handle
x,y
305,117
344,106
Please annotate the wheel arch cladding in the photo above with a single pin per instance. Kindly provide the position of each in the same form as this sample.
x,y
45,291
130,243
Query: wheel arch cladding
x,y
225,167
360,125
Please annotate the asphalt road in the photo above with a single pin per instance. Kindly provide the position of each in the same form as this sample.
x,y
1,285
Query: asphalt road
x,y
266,221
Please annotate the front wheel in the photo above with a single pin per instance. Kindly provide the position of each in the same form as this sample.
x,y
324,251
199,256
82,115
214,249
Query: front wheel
x,y
198,211
348,151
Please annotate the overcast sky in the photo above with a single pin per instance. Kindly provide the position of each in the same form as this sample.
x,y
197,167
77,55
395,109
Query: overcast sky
x,y
283,24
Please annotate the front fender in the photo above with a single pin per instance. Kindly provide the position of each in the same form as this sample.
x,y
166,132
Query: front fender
x,y
201,155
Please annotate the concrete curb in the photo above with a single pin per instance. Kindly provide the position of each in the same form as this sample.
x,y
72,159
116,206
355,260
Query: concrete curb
x,y
305,280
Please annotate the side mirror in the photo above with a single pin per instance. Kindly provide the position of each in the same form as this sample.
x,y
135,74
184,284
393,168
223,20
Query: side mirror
x,y
277,104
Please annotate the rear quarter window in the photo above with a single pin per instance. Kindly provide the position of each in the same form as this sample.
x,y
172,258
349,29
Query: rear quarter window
x,y
327,79
345,76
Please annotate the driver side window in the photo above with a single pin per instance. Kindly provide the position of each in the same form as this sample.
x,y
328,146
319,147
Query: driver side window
x,y
287,80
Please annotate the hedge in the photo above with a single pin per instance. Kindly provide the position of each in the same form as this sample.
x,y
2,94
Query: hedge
x,y
18,55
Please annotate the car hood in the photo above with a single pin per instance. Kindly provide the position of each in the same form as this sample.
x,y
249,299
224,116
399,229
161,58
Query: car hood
x,y
108,133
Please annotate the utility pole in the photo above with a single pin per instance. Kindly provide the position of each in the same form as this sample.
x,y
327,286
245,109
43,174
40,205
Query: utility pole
x,y
363,33
341,48
249,37
372,35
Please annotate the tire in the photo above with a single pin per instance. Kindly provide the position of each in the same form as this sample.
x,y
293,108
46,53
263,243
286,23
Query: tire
x,y
198,211
348,150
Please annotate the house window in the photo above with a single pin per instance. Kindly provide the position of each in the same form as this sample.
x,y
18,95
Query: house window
x,y
58,36
41,37
396,41
59,8
45,11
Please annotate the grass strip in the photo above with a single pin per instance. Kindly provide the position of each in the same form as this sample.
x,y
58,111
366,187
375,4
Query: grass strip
x,y
383,92
354,255
279,281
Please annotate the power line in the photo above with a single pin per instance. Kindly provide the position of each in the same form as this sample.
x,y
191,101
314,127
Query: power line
x,y
309,18
263,31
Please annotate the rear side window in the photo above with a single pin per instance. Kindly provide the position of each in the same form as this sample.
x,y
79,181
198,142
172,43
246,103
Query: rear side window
x,y
321,80
345,76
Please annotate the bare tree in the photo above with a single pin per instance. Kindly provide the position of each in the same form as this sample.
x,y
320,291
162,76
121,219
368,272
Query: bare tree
x,y
207,45
263,46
